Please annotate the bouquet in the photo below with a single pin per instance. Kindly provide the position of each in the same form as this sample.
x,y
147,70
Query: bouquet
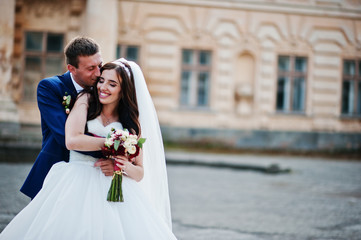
x,y
120,142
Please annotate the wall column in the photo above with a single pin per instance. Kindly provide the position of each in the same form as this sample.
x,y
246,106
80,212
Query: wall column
x,y
9,117
101,24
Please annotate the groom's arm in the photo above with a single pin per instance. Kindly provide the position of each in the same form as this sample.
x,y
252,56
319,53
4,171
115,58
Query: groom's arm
x,y
53,113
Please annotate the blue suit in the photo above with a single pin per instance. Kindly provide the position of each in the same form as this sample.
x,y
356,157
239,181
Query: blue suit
x,y
50,95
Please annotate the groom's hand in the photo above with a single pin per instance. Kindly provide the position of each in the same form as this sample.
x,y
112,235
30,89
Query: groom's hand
x,y
106,166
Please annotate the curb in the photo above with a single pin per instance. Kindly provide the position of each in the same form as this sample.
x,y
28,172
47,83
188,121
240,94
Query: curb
x,y
233,162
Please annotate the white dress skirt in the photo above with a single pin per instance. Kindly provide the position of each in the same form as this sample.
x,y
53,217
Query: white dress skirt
x,y
72,205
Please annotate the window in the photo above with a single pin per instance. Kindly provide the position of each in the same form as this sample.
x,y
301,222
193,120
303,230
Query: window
x,y
291,84
351,88
195,78
130,53
43,58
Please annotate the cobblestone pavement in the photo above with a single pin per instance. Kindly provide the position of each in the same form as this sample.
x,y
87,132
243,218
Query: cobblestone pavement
x,y
319,199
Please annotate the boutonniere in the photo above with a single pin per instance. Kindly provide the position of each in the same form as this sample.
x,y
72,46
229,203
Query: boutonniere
x,y
66,102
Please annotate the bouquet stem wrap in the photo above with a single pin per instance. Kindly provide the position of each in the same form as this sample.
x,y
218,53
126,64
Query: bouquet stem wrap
x,y
115,193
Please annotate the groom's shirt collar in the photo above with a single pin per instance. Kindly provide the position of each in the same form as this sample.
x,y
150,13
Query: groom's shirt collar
x,y
78,88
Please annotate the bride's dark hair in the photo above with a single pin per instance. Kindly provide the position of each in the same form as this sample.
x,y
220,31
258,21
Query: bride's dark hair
x,y
128,106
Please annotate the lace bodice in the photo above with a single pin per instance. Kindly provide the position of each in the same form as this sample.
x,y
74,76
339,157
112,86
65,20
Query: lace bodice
x,y
97,128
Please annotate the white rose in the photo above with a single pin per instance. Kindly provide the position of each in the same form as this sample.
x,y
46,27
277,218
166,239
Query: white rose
x,y
127,144
132,136
126,133
133,141
108,142
123,138
132,149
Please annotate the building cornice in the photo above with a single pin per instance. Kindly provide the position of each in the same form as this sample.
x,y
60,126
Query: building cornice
x,y
319,8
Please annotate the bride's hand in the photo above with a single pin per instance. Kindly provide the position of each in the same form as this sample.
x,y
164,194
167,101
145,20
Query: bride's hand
x,y
106,166
132,168
123,163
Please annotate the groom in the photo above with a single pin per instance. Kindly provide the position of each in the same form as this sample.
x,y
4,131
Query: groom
x,y
83,63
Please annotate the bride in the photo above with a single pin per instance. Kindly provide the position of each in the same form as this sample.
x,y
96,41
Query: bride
x,y
73,201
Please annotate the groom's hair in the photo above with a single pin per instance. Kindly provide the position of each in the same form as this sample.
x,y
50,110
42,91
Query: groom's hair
x,y
80,46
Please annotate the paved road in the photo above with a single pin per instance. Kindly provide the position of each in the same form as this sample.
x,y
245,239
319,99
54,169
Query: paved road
x,y
319,199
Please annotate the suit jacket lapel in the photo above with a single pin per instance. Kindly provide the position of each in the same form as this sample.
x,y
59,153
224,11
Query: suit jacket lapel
x,y
69,83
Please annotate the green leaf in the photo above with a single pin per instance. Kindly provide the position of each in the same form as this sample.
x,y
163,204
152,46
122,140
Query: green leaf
x,y
141,141
116,144
68,99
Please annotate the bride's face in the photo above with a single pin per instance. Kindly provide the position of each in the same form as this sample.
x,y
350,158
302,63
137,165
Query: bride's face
x,y
109,87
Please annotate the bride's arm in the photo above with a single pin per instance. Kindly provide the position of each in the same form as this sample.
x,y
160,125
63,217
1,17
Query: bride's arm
x,y
75,139
133,170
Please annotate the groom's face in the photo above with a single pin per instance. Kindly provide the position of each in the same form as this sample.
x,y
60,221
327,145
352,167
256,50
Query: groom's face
x,y
88,70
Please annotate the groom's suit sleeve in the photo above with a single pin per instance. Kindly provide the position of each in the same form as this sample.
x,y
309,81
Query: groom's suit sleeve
x,y
52,110
53,113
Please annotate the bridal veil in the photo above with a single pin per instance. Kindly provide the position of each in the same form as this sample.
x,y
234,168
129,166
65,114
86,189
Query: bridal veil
x,y
155,181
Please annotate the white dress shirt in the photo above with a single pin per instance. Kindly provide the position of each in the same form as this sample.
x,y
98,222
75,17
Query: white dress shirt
x,y
78,88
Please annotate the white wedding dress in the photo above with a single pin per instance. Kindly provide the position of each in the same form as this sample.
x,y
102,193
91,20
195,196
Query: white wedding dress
x,y
72,205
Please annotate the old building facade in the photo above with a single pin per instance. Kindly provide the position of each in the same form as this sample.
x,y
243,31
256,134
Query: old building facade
x,y
281,74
